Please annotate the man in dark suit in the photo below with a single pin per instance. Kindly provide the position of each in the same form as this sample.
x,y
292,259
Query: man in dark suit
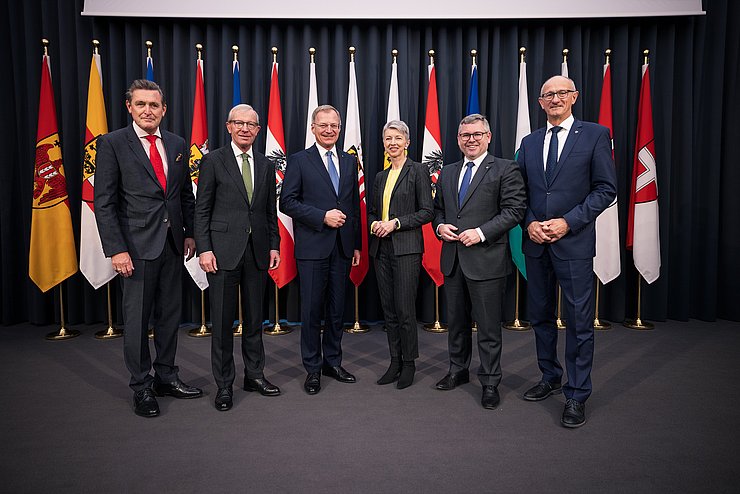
x,y
320,193
479,199
570,177
237,237
144,210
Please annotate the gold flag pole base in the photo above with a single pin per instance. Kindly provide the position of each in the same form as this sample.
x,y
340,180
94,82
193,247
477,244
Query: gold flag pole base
x,y
560,324
109,334
239,326
600,325
357,327
436,326
150,333
203,331
638,324
517,325
63,333
238,329
474,327
277,329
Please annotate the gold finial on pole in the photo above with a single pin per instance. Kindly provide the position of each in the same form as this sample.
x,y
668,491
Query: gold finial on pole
x,y
148,48
96,44
312,54
431,57
522,54
199,49
646,54
565,54
45,43
394,54
352,51
474,53
274,54
235,49
608,55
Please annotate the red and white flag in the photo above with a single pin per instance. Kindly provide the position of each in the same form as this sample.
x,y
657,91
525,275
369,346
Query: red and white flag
x,y
198,148
353,146
433,159
94,265
275,152
607,264
643,231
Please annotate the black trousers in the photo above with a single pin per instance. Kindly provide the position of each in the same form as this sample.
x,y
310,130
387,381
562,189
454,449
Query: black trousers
x,y
224,295
398,280
154,284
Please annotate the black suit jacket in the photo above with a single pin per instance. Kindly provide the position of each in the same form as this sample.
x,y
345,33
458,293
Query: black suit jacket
x,y
308,194
495,203
225,218
131,208
411,203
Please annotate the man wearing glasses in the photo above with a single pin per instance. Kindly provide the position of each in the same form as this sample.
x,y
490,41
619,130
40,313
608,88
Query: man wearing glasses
x,y
320,193
236,233
479,199
570,177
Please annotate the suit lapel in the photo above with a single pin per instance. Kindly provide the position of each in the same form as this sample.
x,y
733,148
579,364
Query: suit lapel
x,y
260,169
380,190
228,160
570,142
539,163
318,163
346,164
173,164
477,178
455,170
401,178
138,150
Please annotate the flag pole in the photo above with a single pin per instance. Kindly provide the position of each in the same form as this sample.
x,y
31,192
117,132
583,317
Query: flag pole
x,y
63,333
203,331
559,321
517,324
239,326
599,324
436,326
112,331
278,329
357,327
638,323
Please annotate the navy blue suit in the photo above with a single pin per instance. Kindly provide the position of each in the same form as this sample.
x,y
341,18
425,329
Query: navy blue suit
x,y
583,184
323,254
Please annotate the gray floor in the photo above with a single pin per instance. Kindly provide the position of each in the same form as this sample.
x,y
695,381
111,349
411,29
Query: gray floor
x,y
663,418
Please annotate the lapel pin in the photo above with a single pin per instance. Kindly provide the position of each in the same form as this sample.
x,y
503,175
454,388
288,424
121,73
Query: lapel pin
x,y
179,157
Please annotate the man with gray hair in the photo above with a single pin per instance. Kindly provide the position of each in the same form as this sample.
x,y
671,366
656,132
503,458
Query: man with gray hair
x,y
479,199
320,193
236,233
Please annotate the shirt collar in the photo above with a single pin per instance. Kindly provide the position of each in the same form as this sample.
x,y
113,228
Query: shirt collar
x,y
322,150
477,161
141,133
238,152
565,124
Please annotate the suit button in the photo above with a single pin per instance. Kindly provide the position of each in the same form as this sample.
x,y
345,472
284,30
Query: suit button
x,y
165,220
458,216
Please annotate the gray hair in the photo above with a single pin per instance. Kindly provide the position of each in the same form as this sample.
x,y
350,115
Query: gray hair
x,y
398,125
555,77
322,108
475,117
240,107
146,85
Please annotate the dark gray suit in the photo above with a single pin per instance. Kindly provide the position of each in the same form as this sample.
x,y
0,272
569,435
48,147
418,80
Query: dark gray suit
x,y
475,275
134,215
398,255
240,232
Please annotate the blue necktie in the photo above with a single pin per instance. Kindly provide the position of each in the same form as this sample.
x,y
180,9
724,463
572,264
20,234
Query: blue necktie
x,y
465,183
552,154
333,174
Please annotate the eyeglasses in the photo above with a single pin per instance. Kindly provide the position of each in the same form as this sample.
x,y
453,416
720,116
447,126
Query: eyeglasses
x,y
560,94
324,126
477,136
239,124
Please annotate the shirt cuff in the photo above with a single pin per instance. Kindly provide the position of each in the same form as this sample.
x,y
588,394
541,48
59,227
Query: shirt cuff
x,y
480,234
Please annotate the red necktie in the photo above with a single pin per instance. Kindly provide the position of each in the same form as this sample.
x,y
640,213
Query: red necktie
x,y
156,160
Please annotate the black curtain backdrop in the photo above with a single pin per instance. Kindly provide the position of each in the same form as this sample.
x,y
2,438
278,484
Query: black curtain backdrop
x,y
694,73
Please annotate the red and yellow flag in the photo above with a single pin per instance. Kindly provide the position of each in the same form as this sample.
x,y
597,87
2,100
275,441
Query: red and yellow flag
x,y
52,257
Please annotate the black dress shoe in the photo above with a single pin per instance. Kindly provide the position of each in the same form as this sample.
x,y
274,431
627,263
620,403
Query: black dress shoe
x,y
223,399
574,414
338,373
313,383
406,378
490,398
145,404
453,380
265,387
176,388
542,390
392,374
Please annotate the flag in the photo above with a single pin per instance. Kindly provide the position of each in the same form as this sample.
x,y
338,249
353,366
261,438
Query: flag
x,y
394,108
353,146
473,102
523,128
607,259
643,231
149,68
236,93
313,102
198,148
275,152
52,257
94,265
433,159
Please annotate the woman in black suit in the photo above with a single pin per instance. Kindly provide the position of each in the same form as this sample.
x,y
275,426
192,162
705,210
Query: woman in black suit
x,y
402,203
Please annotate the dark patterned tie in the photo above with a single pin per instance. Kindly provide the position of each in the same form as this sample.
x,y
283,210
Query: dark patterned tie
x,y
552,154
247,175
465,183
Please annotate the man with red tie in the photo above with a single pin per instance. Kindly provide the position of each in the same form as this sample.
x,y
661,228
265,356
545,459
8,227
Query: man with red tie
x,y
144,207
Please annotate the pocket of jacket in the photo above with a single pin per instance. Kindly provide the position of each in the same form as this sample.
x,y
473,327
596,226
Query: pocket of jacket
x,y
219,226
